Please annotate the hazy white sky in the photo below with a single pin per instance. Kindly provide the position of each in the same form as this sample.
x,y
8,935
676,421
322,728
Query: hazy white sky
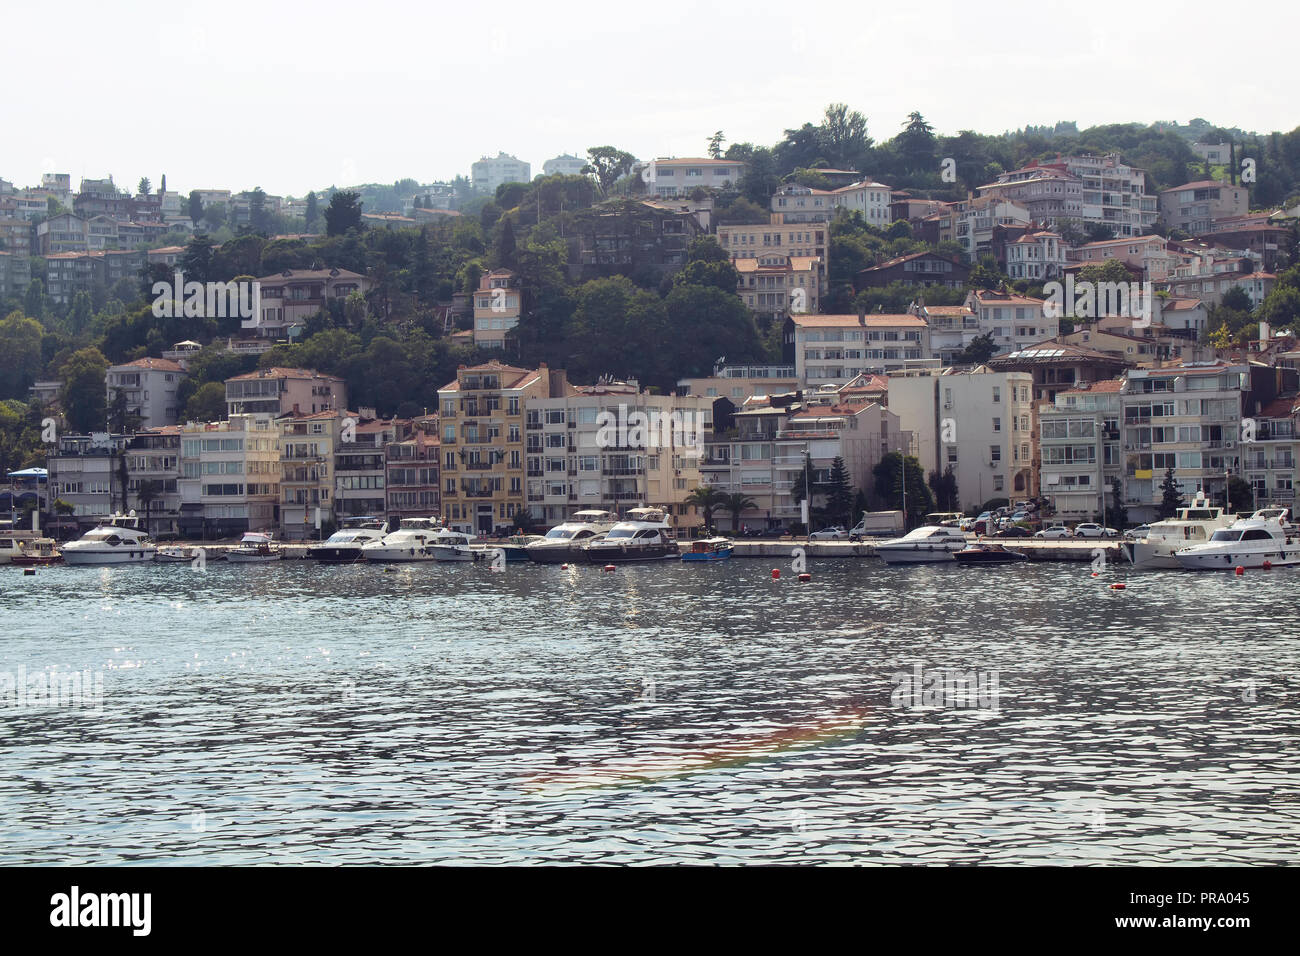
x,y
295,97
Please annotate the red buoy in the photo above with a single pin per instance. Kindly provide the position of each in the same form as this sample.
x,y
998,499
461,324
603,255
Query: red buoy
x,y
776,574
1267,565
609,567
1094,574
564,567
1240,570
1117,587
805,576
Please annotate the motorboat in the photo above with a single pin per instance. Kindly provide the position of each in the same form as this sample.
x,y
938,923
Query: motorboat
x,y
923,545
515,548
1192,525
986,552
176,554
410,542
347,544
447,545
116,540
12,543
1248,543
255,547
644,534
709,549
564,542
40,551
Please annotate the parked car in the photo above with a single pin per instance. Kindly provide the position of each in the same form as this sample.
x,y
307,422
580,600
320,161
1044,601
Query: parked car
x,y
835,533
1141,531
1057,531
1020,516
1014,531
1091,530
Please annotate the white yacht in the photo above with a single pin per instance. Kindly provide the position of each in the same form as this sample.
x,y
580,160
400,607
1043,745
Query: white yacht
x,y
410,542
1248,543
644,534
564,542
1193,525
926,544
447,545
116,540
255,547
346,545
12,542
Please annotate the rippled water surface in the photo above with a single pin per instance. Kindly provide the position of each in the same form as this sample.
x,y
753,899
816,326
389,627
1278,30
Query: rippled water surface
x,y
300,714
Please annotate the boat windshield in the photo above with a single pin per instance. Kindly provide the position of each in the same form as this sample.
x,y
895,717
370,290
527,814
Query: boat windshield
x,y
559,534
621,533
1224,534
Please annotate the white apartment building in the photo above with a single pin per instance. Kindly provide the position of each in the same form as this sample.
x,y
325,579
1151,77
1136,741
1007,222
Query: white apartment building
x,y
490,172
832,349
150,386
1196,207
564,165
1079,451
980,423
974,220
307,444
1013,321
1039,255
1052,196
579,456
360,466
669,176
1095,190
867,197
952,328
1185,417
82,473
230,477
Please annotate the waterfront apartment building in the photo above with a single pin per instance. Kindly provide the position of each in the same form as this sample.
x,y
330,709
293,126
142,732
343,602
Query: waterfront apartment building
x,y
832,349
613,447
411,475
82,471
153,471
230,477
1196,207
361,465
150,387
307,446
1268,462
498,304
979,423
1082,466
284,391
483,447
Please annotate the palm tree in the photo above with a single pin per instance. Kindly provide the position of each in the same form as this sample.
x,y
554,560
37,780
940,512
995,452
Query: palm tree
x,y
708,499
150,491
736,504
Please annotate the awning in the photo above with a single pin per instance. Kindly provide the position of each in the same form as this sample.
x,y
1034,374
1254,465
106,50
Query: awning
x,y
38,473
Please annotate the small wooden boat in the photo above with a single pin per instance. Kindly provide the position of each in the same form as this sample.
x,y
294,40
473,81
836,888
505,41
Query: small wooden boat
x,y
709,549
985,552
39,552
255,547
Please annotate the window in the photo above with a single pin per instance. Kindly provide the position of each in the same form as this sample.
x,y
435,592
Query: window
x,y
997,394
995,453
997,424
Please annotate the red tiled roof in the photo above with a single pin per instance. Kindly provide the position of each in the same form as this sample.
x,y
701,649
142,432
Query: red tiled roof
x,y
158,364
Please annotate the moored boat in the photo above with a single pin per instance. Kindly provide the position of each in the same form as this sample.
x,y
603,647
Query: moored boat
x,y
1191,526
923,545
643,535
41,551
255,547
346,545
115,540
709,549
410,542
986,552
177,554
564,542
1248,543
447,545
